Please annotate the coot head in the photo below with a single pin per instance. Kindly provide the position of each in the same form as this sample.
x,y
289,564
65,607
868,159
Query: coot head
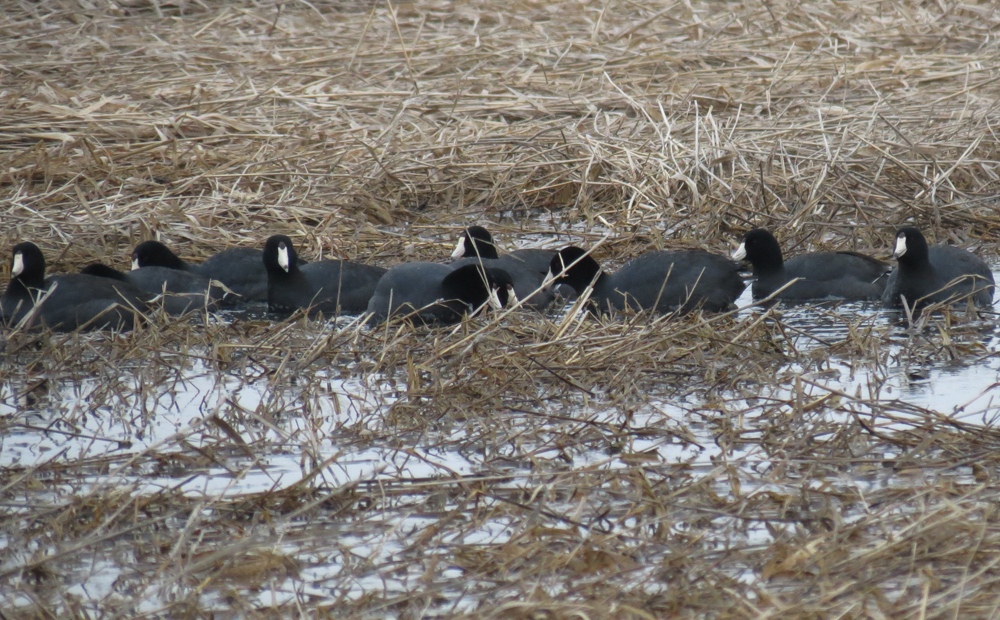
x,y
761,249
27,265
573,266
475,241
502,288
279,255
155,254
911,246
478,286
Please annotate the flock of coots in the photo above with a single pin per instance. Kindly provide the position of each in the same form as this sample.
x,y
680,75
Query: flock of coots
x,y
478,276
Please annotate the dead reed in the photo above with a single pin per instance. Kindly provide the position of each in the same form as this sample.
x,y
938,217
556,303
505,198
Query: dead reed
x,y
764,463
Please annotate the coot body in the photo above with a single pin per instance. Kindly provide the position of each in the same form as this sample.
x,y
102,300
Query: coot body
x,y
182,291
429,293
657,281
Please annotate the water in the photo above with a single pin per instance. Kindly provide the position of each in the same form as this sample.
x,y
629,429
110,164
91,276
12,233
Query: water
x,y
945,388
214,436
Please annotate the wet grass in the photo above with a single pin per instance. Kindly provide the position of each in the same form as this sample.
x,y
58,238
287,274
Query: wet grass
x,y
806,462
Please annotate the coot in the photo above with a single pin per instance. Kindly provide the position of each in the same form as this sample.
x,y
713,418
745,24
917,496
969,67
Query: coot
x,y
326,286
820,275
657,281
240,269
477,241
182,291
527,268
77,301
427,293
940,273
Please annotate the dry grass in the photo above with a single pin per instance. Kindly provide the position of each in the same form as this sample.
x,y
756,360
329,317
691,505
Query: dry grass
x,y
767,463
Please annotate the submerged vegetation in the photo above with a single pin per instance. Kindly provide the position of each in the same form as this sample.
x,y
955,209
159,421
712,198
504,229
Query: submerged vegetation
x,y
794,461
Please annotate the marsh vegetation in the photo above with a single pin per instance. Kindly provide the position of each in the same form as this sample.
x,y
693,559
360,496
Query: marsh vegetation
x,y
816,461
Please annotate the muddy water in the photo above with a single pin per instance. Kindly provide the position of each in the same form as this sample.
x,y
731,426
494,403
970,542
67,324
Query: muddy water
x,y
339,423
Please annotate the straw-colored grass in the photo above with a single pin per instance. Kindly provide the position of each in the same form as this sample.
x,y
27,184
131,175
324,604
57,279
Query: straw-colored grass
x,y
509,467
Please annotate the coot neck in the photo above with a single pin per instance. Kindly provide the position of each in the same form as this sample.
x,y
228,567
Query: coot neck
x,y
18,288
472,294
598,282
921,267
481,249
916,257
771,267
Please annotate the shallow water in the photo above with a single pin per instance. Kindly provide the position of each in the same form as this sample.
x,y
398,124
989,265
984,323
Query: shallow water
x,y
947,389
338,424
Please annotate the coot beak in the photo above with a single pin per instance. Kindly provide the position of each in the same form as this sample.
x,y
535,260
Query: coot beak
x,y
549,279
283,257
459,250
135,262
511,296
18,266
900,246
494,300
741,252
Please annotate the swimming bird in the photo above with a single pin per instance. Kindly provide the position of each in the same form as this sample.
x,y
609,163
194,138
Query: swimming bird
x,y
939,273
428,293
182,291
818,275
327,286
657,281
527,268
66,302
477,241
240,269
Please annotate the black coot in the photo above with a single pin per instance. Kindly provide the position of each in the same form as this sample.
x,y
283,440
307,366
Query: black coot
x,y
78,301
657,281
427,293
940,273
526,267
326,286
821,275
240,269
184,291
477,241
